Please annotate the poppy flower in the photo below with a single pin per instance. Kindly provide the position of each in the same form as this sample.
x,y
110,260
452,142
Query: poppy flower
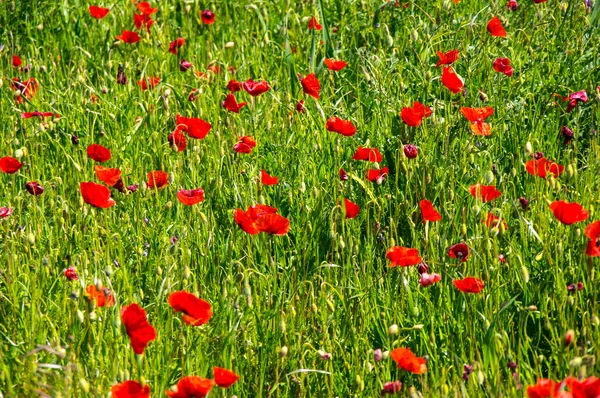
x,y
495,28
208,17
261,218
10,165
314,24
451,80
245,144
429,279
224,378
406,360
232,105
255,88
121,78
98,12
128,36
5,212
410,151
96,195
177,139
485,193
447,58
300,107
542,166
98,153
352,209
367,154
477,118
403,257
544,388
16,61
574,98
196,312
184,65
176,45
512,5
71,273
234,86
190,197
34,188
194,127
343,175
192,387
148,82
144,8
539,1
335,65
567,134
140,20
377,175
27,88
29,115
107,175
130,389
157,179
587,388
592,231
493,220
340,126
469,285
102,296
311,85
568,213
428,212
459,251
415,115
267,179
502,65
139,330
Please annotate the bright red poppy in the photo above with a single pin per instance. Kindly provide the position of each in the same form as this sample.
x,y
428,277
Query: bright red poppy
x,y
408,361
177,139
542,166
176,45
587,388
234,86
451,80
10,165
428,211
245,144
477,118
139,330
140,20
340,126
192,387
194,127
403,256
261,218
16,61
502,65
196,312
102,296
485,193
377,175
255,88
267,179
96,195
469,285
157,179
447,58
232,105
144,8
107,175
148,82
128,36
495,28
314,24
98,153
311,85
367,154
208,17
592,231
224,378
130,389
493,220
335,65
568,213
190,197
544,388
352,209
98,12
415,115
29,115
459,251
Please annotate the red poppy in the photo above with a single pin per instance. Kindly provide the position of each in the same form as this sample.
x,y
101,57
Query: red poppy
x,y
335,65
447,58
96,195
190,197
428,212
410,151
176,45
194,127
574,98
16,61
130,389
256,88
403,256
542,166
224,378
592,231
352,209
451,80
502,65
477,118
144,8
34,188
314,24
493,220
367,154
544,388
300,107
128,36
245,144
140,20
192,387
343,175
10,165
415,115
234,86
102,296
5,212
196,312
267,179
377,175
148,82
469,285
138,328
232,105
98,153
568,213
408,361
29,115
107,175
587,388
340,126
208,17
459,251
27,88
261,218
429,279
177,139
495,28
98,12
311,85
539,1
485,193
157,179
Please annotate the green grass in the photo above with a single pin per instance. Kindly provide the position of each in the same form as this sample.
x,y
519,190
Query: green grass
x,y
326,285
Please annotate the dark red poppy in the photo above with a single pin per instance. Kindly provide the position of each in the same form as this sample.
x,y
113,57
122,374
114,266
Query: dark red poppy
x,y
71,273
428,212
587,388
102,296
300,107
196,312
311,85
267,179
16,61
261,218
192,387
176,45
502,65
447,58
10,165
157,179
234,86
343,175
335,65
121,78
415,115
98,12
143,20
98,153
485,193
148,82
367,154
512,5
256,88
107,175
542,166
377,175
130,389
469,285
144,8
194,127
27,88
96,195
544,388
314,24
224,378
128,36
29,115
495,28
408,361
5,212
232,105
340,126
539,1
177,139
208,17
459,251
574,98
190,197
352,209
568,213
492,221
403,256
477,118
34,188
139,330
410,151
184,65
451,80
592,231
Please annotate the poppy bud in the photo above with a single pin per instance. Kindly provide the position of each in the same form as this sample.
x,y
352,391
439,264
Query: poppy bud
x,y
117,322
528,149
108,271
595,320
410,151
539,256
480,377
282,326
31,238
463,229
283,352
483,96
568,338
186,272
92,315
85,386
393,330
18,153
570,301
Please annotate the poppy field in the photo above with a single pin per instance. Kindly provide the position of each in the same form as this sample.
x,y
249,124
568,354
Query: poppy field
x,y
318,198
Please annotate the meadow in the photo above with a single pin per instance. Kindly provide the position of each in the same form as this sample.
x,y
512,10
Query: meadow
x,y
199,198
